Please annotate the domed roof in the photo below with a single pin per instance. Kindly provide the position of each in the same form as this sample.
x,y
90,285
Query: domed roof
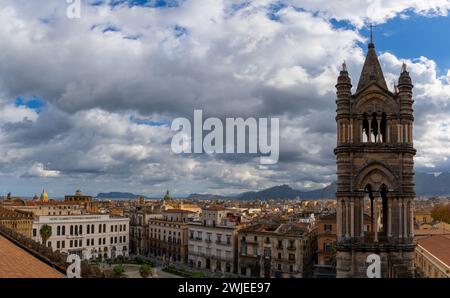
x,y
44,196
78,193
167,196
35,198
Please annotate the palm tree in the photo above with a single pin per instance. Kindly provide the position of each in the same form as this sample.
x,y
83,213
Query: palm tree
x,y
145,270
46,233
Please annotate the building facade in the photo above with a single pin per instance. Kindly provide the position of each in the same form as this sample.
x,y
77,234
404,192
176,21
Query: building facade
x,y
375,165
432,256
86,202
212,243
168,235
89,236
19,221
276,250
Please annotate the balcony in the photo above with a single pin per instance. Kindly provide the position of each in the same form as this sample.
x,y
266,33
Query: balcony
x,y
223,243
198,239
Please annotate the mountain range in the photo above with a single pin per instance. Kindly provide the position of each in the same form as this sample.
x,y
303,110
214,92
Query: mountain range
x,y
426,185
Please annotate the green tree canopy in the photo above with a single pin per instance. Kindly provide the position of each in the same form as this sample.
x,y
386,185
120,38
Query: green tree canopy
x,y
46,233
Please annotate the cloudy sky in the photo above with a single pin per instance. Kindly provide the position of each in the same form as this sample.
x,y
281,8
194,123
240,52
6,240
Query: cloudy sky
x,y
87,103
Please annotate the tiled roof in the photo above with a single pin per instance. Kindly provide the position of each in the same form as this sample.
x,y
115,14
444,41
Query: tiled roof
x,y
438,245
17,263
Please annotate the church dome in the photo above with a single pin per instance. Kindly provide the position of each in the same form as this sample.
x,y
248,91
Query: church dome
x,y
167,196
78,193
44,196
35,198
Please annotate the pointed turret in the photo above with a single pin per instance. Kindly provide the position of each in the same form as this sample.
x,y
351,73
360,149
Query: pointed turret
x,y
371,72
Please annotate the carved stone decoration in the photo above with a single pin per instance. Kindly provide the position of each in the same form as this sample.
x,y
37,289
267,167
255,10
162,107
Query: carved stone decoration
x,y
375,170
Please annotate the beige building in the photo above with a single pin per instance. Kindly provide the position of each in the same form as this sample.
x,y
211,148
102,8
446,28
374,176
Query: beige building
x,y
432,255
276,250
168,235
86,202
213,241
18,221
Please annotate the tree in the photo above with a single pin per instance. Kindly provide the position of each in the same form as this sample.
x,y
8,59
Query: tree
x,y
441,213
46,233
144,270
119,271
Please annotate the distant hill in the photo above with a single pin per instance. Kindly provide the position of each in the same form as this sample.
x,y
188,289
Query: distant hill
x,y
431,185
286,192
196,196
426,185
117,195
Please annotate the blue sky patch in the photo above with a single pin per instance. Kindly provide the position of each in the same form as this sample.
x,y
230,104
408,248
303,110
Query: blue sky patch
x,y
33,103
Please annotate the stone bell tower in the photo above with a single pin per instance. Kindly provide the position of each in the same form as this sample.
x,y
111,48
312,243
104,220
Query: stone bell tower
x,y
375,172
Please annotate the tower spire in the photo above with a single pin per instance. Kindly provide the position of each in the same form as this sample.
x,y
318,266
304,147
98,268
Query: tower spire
x,y
371,33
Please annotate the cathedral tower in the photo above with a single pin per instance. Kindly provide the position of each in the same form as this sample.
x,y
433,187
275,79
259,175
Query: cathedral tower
x,y
375,172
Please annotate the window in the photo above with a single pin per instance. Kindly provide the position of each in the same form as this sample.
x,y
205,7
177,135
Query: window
x,y
71,230
279,256
104,241
80,243
328,247
112,229
88,229
63,244
279,267
34,232
81,229
228,239
328,228
100,228
71,243
64,230
291,257
291,268
92,229
104,228
58,244
280,243
58,231
124,228
49,244
267,252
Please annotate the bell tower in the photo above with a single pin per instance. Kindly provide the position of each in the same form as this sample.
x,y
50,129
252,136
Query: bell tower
x,y
375,172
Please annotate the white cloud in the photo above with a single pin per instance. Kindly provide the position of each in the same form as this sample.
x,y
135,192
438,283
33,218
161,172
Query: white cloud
x,y
38,170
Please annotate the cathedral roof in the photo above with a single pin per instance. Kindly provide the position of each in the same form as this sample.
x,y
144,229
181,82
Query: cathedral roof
x,y
371,71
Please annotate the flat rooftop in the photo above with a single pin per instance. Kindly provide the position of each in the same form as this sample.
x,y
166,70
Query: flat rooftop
x,y
17,263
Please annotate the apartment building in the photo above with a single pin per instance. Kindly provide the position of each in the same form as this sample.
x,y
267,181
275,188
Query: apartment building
x,y
279,250
168,235
212,243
